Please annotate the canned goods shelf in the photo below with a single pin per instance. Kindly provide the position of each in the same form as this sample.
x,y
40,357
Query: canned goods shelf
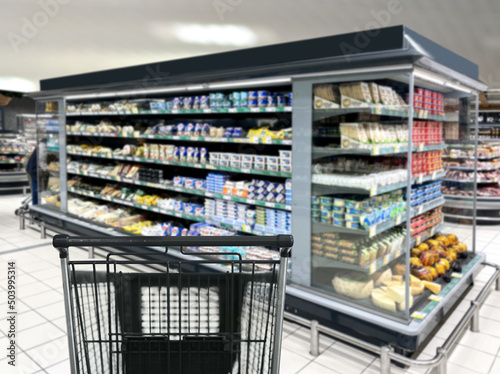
x,y
186,190
184,111
252,140
280,174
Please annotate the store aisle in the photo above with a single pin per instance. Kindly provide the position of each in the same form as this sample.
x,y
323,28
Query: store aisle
x,y
41,339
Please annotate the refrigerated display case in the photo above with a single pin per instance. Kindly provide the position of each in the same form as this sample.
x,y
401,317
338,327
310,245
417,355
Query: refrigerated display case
x,y
360,177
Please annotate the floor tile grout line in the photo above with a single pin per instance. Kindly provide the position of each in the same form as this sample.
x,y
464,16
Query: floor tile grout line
x,y
22,249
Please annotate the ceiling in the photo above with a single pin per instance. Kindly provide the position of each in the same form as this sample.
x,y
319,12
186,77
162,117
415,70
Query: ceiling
x,y
76,36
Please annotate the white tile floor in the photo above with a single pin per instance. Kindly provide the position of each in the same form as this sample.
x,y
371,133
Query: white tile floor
x,y
41,340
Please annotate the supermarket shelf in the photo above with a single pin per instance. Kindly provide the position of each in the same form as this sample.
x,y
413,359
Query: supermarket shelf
x,y
321,261
252,140
321,189
326,136
470,168
379,228
319,152
471,158
217,221
459,216
401,112
135,205
10,162
185,190
183,111
470,181
471,198
280,174
492,204
13,153
211,220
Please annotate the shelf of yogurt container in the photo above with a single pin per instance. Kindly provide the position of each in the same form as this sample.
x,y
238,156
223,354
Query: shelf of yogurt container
x,y
192,191
110,156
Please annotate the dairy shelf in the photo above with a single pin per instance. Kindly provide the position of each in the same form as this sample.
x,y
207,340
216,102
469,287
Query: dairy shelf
x,y
183,111
321,189
280,174
319,152
167,212
191,191
216,221
208,139
320,114
318,227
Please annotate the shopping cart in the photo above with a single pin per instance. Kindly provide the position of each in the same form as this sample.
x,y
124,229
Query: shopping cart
x,y
226,317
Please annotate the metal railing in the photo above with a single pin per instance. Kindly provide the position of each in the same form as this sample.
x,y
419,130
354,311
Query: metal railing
x,y
439,361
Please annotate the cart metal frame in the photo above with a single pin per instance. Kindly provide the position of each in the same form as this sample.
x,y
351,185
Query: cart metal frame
x,y
128,344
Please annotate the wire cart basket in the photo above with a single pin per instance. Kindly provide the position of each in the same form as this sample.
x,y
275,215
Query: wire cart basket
x,y
182,316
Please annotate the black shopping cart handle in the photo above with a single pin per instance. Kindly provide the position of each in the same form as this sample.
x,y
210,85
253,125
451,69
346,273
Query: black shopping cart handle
x,y
279,241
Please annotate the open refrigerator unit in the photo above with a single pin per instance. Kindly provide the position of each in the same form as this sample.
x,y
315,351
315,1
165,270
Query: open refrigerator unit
x,y
471,157
208,151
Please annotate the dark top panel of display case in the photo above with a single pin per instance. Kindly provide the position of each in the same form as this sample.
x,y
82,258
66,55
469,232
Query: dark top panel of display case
x,y
364,48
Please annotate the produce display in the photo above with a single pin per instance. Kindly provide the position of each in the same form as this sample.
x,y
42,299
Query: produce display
x,y
355,211
235,99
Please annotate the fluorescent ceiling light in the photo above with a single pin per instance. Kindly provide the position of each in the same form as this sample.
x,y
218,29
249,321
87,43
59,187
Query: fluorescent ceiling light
x,y
250,83
459,88
17,84
428,77
213,34
125,93
193,88
257,82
